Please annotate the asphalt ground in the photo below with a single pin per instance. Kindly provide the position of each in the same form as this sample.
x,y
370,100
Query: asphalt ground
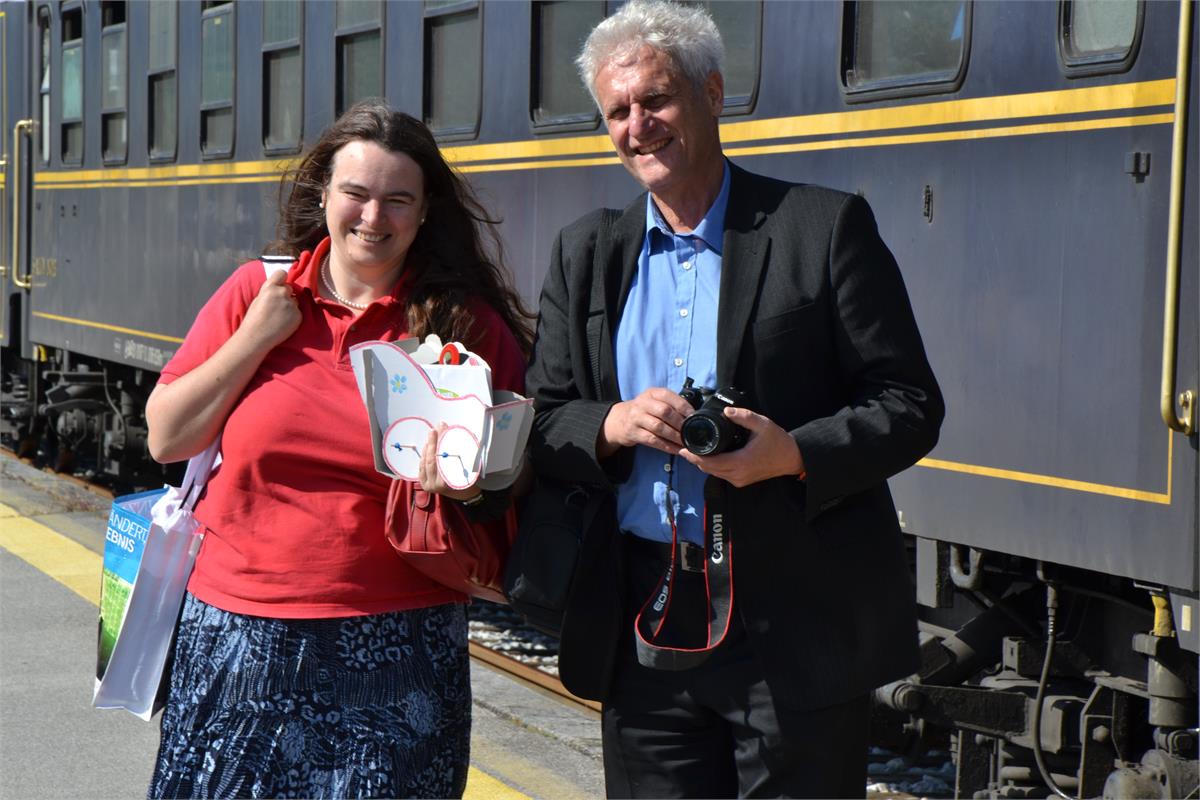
x,y
53,744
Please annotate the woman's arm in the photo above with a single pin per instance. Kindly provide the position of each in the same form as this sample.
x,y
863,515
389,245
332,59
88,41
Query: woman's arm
x,y
184,416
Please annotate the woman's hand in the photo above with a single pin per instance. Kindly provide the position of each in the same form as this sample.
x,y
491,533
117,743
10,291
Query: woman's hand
x,y
429,477
185,415
273,315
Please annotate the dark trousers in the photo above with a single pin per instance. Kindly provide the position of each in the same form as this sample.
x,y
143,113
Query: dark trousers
x,y
715,730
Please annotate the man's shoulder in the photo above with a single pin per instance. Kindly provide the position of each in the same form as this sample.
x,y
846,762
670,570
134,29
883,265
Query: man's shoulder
x,y
589,223
795,211
584,231
777,192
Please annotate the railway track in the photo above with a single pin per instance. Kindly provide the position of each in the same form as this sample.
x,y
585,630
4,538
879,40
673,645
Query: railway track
x,y
527,674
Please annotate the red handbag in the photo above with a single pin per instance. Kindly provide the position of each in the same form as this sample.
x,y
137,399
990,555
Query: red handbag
x,y
434,535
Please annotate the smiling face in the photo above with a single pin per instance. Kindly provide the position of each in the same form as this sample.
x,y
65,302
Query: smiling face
x,y
374,204
664,130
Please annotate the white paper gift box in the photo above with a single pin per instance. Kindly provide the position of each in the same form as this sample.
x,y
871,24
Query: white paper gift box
x,y
484,437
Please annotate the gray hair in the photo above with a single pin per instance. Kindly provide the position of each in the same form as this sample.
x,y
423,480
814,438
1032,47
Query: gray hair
x,y
686,34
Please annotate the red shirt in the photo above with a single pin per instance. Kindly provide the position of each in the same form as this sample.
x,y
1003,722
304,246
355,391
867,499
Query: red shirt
x,y
295,512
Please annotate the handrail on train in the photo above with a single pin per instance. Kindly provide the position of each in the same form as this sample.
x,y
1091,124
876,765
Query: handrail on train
x,y
25,127
1184,423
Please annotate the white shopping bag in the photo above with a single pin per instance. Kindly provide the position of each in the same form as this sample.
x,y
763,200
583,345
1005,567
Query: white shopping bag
x,y
150,548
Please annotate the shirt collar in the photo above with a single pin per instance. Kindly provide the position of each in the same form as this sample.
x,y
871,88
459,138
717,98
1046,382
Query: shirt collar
x,y
711,229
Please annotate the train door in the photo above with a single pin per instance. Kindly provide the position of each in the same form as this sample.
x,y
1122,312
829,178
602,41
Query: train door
x,y
11,84
19,38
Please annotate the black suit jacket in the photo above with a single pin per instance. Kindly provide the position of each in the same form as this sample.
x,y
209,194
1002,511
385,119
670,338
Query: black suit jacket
x,y
815,324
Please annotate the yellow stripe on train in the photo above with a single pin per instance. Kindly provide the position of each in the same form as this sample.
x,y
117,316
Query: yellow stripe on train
x,y
752,137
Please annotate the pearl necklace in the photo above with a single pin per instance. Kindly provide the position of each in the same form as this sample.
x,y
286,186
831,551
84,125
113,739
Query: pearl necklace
x,y
329,288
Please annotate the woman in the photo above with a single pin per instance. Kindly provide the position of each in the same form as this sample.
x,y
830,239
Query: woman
x,y
310,660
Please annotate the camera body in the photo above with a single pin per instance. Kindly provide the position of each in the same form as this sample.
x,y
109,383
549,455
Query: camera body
x,y
708,432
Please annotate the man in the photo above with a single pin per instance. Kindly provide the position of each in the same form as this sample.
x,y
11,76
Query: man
x,y
786,293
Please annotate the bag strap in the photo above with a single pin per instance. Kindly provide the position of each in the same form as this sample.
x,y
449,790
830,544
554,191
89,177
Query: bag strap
x,y
199,469
273,264
200,466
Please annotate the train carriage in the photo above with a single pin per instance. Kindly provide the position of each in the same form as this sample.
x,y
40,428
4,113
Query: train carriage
x,y
1031,164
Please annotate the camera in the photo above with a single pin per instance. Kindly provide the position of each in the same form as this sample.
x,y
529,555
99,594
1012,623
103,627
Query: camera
x,y
708,432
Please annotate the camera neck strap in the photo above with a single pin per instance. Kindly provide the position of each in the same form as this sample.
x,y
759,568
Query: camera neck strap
x,y
718,582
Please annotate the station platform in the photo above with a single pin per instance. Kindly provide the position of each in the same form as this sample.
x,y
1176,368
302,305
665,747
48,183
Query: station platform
x,y
525,742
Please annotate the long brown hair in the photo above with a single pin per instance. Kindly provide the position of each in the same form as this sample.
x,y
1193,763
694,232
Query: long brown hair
x,y
457,252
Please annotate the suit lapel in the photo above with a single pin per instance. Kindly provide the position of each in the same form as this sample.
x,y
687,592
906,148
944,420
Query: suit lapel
x,y
742,262
619,259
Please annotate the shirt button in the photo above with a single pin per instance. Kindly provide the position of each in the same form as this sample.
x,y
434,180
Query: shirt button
x,y
667,467
679,362
683,312
686,265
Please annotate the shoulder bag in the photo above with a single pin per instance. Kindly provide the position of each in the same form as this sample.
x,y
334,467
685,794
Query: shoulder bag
x,y
555,522
439,538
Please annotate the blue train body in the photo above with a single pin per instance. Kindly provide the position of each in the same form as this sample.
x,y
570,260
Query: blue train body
x,y
1026,184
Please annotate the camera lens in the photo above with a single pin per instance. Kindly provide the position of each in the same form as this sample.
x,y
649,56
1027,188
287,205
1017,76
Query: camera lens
x,y
700,434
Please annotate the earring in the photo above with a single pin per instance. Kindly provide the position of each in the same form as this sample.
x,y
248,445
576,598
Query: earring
x,y
422,222
320,204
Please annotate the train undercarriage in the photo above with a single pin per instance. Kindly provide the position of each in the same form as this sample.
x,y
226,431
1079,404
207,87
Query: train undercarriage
x,y
1046,681
79,415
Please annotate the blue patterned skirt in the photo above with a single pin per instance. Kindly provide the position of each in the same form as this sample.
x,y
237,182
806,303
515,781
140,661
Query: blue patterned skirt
x,y
373,706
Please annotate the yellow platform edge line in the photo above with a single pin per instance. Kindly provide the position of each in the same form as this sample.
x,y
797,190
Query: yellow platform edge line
x,y
78,569
51,553
482,786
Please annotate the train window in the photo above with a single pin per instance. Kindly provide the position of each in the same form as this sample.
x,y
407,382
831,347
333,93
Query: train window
x,y
358,13
1099,36
740,24
71,108
114,81
453,68
161,74
903,47
283,96
559,31
216,79
44,82
359,52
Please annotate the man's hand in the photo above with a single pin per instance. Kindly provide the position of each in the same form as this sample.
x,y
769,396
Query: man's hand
x,y
652,418
768,453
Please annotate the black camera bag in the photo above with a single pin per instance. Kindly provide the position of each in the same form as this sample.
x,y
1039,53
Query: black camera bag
x,y
545,558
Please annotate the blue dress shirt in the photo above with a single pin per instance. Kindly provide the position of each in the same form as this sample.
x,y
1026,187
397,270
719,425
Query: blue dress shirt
x,y
668,332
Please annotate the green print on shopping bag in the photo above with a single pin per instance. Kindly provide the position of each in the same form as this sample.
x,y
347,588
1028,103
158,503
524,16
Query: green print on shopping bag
x,y
124,543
